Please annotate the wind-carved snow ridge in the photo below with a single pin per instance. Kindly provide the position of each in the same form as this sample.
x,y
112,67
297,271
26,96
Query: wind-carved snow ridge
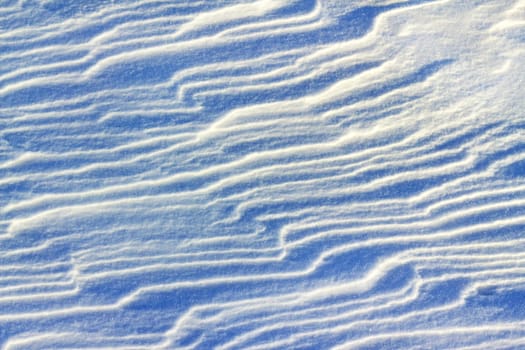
x,y
268,174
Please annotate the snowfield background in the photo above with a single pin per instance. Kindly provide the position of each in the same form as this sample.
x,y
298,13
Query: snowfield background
x,y
262,174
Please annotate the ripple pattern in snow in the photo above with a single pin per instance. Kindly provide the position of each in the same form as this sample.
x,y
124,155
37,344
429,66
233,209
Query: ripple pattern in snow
x,y
262,174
